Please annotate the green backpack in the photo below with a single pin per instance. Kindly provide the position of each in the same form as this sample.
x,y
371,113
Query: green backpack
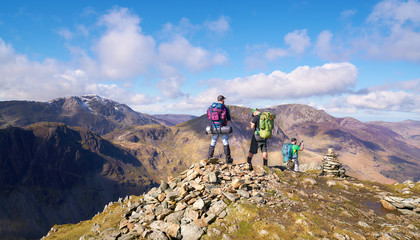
x,y
266,125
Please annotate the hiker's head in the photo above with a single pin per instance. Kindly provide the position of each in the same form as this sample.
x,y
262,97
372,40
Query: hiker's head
x,y
293,140
221,99
255,112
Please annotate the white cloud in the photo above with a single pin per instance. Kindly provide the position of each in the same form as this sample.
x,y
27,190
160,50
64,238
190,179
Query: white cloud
x,y
386,100
329,79
219,26
408,86
298,41
83,30
122,54
22,79
323,44
184,27
394,31
275,53
394,98
400,44
65,33
328,50
198,103
180,52
396,12
411,85
119,94
123,51
171,82
348,13
7,54
391,32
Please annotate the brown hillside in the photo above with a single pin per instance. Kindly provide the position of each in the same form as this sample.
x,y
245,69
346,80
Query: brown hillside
x,y
367,151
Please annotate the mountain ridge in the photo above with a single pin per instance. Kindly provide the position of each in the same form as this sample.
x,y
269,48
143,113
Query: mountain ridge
x,y
172,119
101,115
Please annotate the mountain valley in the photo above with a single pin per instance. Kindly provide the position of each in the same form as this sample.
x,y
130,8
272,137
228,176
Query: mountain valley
x,y
63,160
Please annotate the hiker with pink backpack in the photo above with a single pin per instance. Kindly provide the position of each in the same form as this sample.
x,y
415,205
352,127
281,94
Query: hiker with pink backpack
x,y
219,116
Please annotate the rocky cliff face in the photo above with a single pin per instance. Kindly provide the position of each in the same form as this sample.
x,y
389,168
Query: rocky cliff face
x,y
51,173
213,200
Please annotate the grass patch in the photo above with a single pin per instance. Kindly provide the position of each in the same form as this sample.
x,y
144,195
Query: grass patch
x,y
245,229
110,218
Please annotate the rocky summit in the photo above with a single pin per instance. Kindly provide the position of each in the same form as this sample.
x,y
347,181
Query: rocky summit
x,y
214,200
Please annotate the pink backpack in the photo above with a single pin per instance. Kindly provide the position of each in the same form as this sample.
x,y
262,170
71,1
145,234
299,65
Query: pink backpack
x,y
217,114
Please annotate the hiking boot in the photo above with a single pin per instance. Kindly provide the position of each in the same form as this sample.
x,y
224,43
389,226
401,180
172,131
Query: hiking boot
x,y
211,152
229,159
249,160
265,162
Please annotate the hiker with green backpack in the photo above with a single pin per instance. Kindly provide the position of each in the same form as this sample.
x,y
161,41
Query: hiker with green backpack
x,y
262,123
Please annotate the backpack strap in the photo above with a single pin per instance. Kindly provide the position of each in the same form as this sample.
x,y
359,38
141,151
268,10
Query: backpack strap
x,y
222,121
257,129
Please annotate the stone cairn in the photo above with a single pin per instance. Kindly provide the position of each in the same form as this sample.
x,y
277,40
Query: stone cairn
x,y
183,207
331,166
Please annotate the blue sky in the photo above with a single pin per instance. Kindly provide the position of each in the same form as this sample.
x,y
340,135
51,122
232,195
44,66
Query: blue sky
x,y
351,58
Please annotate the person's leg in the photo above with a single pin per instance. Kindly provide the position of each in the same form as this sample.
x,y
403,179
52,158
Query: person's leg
x,y
212,145
211,152
214,139
252,150
290,164
249,158
296,163
225,140
263,146
265,158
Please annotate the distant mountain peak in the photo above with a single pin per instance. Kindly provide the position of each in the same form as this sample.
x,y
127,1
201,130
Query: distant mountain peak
x,y
93,112
89,102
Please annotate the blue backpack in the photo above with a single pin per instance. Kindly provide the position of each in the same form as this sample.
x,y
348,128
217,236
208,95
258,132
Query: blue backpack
x,y
287,151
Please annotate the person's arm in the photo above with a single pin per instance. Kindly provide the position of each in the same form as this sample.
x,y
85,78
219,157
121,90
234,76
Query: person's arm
x,y
228,118
301,146
254,122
